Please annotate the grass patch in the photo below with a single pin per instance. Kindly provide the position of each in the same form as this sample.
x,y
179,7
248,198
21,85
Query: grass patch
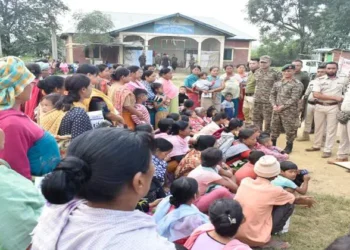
x,y
316,228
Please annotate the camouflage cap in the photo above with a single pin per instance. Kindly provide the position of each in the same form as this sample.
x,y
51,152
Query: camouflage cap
x,y
288,66
265,59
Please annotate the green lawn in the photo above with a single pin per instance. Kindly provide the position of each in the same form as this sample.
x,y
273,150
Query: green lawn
x,y
316,228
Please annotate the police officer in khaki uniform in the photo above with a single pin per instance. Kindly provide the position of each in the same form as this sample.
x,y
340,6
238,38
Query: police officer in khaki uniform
x,y
265,77
328,92
310,105
284,99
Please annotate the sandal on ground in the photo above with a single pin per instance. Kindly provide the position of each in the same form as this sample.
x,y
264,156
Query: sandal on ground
x,y
312,149
337,160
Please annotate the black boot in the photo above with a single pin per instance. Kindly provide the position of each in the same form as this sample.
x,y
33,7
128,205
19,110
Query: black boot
x,y
288,148
274,142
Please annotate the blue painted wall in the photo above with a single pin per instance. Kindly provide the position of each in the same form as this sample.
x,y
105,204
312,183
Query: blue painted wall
x,y
186,29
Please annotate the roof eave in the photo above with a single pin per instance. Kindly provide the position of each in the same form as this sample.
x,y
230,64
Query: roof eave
x,y
241,39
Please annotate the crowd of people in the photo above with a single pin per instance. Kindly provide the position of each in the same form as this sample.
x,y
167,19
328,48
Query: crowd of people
x,y
123,158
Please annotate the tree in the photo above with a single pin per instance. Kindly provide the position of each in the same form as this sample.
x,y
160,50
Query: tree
x,y
334,29
281,50
93,29
24,22
297,17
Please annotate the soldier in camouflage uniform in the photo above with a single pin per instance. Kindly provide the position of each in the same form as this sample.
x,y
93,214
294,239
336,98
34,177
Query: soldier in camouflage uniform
x,y
302,76
284,98
265,77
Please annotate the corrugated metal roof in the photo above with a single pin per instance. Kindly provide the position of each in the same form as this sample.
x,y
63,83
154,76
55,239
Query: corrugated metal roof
x,y
123,21
322,50
327,50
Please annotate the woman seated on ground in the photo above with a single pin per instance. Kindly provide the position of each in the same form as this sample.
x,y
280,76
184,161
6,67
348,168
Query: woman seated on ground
x,y
74,121
214,182
226,217
219,120
176,216
179,137
95,191
239,152
29,150
193,158
229,134
264,144
164,127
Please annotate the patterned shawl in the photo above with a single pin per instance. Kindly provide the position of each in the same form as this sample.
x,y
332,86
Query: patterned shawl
x,y
118,96
100,94
51,121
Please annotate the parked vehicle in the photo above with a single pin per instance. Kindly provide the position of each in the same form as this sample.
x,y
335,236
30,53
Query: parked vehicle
x,y
310,66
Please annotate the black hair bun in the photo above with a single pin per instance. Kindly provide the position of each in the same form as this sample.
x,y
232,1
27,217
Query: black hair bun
x,y
174,202
64,183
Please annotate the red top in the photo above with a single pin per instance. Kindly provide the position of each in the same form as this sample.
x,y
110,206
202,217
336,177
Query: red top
x,y
20,135
247,170
34,101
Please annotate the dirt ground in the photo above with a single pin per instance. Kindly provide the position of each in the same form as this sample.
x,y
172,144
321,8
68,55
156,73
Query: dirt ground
x,y
326,178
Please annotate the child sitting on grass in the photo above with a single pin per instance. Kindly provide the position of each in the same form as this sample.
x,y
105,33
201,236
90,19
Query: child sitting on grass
x,y
160,157
247,170
176,216
214,182
226,217
141,98
196,122
265,145
211,112
289,172
156,191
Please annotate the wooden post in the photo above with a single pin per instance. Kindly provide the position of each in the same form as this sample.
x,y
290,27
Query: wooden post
x,y
54,44
0,47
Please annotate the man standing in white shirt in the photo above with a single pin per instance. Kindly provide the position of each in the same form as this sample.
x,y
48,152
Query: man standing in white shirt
x,y
344,126
328,92
310,106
